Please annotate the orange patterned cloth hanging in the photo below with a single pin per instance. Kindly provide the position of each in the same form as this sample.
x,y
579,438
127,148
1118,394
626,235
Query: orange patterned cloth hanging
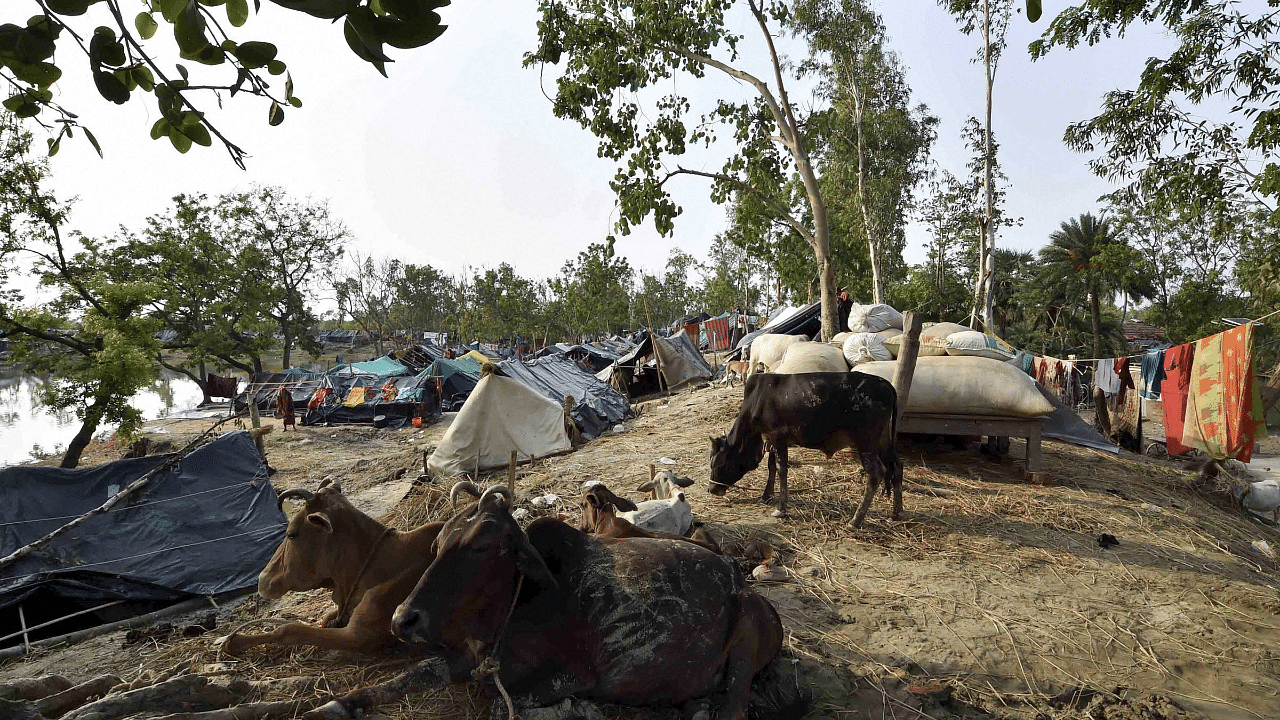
x,y
1224,402
319,397
389,391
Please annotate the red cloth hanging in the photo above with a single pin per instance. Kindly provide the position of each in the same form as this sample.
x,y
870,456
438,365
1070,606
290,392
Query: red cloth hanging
x,y
1173,398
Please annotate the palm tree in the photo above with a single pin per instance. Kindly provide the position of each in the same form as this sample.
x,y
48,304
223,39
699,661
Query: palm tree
x,y
1087,253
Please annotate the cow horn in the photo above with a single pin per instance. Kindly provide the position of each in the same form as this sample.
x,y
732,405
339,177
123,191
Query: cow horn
x,y
294,493
464,485
330,482
500,490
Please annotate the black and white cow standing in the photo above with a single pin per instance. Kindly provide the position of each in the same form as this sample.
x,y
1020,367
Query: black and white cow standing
x,y
821,411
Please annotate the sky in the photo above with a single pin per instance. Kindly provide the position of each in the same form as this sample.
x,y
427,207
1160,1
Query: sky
x,y
457,161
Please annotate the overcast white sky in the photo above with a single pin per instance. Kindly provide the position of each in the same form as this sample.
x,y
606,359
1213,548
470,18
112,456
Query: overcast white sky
x,y
456,160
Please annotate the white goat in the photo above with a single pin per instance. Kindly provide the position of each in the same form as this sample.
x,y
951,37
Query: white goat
x,y
672,515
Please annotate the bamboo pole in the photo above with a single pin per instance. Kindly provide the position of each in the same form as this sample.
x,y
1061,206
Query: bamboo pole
x,y
55,621
653,340
22,620
511,472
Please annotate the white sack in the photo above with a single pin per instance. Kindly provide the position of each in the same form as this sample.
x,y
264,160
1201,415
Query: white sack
x,y
501,415
976,344
812,357
769,349
1264,499
865,347
839,339
873,318
967,386
933,339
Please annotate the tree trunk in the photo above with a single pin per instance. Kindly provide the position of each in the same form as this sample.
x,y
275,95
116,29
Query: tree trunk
x,y
287,342
1095,309
989,234
873,245
92,416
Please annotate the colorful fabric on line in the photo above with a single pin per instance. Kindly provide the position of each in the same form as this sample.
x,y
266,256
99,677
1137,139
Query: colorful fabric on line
x,y
1152,374
1126,378
1106,377
1224,405
718,334
1173,395
355,398
319,397
223,387
389,391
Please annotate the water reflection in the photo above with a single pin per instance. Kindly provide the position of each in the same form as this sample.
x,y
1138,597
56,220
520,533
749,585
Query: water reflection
x,y
25,425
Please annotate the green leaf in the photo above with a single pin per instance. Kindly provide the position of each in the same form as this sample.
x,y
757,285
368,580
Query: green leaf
x,y
276,115
288,86
182,70
54,145
1033,10
181,142
327,9
143,77
237,12
295,102
198,134
160,129
254,54
110,87
104,49
189,29
41,74
363,39
70,7
275,67
92,140
146,25
172,9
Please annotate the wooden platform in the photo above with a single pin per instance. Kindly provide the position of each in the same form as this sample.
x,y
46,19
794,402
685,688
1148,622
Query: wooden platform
x,y
1000,426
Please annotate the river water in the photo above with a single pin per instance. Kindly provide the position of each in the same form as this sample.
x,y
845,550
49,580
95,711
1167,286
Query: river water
x,y
25,425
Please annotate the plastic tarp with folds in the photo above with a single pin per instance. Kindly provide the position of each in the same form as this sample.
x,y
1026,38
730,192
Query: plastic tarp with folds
x,y
681,361
501,415
457,379
206,526
383,367
597,405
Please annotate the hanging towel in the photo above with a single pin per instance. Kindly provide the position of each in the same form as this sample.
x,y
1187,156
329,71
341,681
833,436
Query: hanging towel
x,y
1173,395
355,398
1224,405
1105,376
1152,374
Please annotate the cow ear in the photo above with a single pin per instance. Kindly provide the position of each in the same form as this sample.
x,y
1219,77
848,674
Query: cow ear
x,y
622,503
321,521
593,500
530,563
682,481
646,487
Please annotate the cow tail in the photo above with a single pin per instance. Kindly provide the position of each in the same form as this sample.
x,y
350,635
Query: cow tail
x,y
777,691
892,469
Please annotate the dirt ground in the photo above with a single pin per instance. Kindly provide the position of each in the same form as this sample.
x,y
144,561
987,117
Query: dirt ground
x,y
992,598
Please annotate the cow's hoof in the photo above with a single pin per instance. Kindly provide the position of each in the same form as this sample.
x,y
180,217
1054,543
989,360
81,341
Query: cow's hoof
x,y
769,573
779,513
230,644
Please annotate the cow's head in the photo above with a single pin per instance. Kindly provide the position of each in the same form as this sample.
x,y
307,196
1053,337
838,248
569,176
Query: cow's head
x,y
463,598
665,485
599,500
315,545
731,458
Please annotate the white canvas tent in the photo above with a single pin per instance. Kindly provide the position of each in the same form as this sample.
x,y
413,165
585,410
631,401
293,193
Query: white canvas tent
x,y
501,415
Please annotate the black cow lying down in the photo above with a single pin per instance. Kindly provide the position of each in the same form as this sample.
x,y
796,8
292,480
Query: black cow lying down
x,y
636,621
820,411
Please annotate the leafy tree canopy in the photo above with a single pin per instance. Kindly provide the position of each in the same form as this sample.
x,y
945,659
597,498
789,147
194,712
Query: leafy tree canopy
x,y
124,59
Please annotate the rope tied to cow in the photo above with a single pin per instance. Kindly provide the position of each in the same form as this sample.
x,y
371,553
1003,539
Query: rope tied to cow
x,y
345,608
488,666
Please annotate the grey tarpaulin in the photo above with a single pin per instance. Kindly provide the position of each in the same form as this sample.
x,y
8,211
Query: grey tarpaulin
x,y
206,526
1065,425
681,361
597,406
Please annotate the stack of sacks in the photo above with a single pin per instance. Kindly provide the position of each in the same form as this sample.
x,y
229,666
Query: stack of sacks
x,y
967,386
865,347
838,340
870,326
809,357
976,344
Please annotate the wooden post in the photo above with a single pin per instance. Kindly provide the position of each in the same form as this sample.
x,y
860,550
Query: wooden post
x,y
653,340
907,354
653,471
256,422
511,472
22,620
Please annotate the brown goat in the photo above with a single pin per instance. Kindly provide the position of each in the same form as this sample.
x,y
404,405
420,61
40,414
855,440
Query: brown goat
x,y
599,519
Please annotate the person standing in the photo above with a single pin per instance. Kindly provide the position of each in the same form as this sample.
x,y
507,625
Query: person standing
x,y
843,306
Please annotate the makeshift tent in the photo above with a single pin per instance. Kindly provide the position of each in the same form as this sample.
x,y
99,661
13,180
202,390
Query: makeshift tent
x,y
457,379
301,384
207,525
790,321
358,399
681,361
479,357
501,415
597,406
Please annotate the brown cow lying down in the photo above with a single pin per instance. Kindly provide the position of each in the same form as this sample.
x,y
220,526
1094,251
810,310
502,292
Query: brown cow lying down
x,y
599,518
556,614
370,567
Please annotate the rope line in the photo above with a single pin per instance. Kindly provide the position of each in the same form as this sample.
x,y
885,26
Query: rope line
x,y
259,531
140,505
